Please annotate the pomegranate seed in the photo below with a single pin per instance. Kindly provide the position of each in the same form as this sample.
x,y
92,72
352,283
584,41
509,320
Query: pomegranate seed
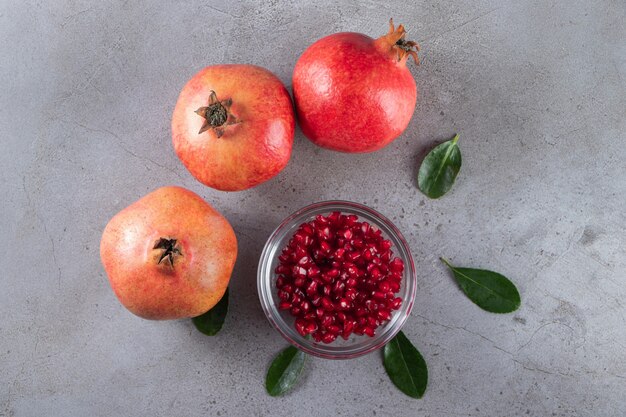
x,y
372,321
313,271
326,289
333,273
301,327
351,219
395,303
384,245
317,336
371,305
319,219
283,269
356,243
383,314
329,338
355,257
360,312
284,295
338,288
305,306
296,311
298,271
343,304
306,229
365,228
316,301
350,294
284,305
300,252
299,282
347,234
319,312
385,257
311,288
348,326
341,316
394,286
396,265
351,282
325,247
369,330
383,286
327,320
309,316
378,295
327,304
280,281
339,253
375,273
334,329
310,327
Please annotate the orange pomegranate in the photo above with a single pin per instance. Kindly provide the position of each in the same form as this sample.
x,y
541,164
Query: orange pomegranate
x,y
169,255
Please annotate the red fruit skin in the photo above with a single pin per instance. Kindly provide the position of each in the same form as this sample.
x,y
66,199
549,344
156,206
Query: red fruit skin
x,y
251,151
159,291
351,95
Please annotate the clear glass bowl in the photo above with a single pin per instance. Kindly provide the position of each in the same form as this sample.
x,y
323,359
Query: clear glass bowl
x,y
283,321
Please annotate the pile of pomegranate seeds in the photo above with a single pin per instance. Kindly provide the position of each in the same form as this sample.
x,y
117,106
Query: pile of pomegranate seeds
x,y
337,276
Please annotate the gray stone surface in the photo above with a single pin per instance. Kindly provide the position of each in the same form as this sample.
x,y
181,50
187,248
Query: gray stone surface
x,y
535,88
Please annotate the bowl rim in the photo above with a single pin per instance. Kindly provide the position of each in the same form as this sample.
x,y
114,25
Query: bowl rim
x,y
266,299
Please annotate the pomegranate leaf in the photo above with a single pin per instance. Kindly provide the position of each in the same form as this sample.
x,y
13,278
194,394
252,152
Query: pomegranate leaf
x,y
440,168
284,371
405,366
211,322
489,290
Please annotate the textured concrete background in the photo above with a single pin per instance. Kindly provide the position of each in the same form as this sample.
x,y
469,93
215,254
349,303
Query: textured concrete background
x,y
535,88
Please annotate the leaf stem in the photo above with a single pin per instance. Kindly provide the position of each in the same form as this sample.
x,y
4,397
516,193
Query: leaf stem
x,y
455,139
445,261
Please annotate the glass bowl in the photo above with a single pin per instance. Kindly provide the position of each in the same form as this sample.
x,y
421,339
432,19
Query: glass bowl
x,y
283,321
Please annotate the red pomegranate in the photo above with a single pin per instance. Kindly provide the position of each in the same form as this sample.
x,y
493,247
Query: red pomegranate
x,y
233,126
354,93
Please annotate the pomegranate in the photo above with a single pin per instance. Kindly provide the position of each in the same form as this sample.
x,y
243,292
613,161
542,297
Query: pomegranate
x,y
354,93
233,126
338,276
169,255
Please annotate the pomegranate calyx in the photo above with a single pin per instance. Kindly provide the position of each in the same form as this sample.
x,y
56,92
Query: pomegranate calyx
x,y
169,249
216,115
395,42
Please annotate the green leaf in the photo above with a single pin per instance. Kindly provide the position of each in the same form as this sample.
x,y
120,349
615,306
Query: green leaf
x,y
284,371
405,366
211,322
489,290
440,168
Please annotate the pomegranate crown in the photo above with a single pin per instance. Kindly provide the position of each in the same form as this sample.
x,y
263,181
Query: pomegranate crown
x,y
395,40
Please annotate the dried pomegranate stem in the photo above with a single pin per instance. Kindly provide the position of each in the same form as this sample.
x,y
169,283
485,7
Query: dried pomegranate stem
x,y
216,115
395,43
169,249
